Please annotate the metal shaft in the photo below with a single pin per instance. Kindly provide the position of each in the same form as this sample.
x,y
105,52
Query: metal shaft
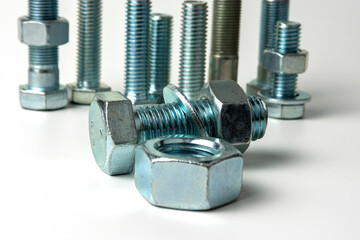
x,y
193,47
137,50
225,40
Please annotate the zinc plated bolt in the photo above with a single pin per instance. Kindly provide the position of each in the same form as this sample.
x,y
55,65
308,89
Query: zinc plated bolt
x,y
283,100
225,40
89,53
272,12
160,54
193,47
137,50
43,31
222,110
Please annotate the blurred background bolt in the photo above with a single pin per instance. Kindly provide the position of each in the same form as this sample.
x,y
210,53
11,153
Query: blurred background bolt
x,y
137,50
225,40
89,53
160,54
193,47
43,31
272,12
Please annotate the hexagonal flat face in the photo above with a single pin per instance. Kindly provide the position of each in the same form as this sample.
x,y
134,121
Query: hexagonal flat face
x,y
112,132
84,95
286,63
43,33
206,174
286,111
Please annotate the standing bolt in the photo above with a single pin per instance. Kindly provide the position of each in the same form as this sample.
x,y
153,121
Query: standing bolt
x,y
160,54
225,40
222,110
89,54
193,47
272,12
43,31
286,61
137,50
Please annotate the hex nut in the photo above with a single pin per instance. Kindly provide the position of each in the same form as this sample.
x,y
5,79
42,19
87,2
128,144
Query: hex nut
x,y
292,63
43,33
112,132
84,95
232,111
43,100
189,173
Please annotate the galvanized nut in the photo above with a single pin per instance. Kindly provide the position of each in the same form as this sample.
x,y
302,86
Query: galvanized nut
x,y
291,63
189,173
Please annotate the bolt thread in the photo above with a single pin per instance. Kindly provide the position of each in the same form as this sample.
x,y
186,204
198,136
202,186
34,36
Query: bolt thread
x,y
43,10
137,50
259,117
160,52
226,27
89,43
193,47
287,41
272,12
171,119
43,55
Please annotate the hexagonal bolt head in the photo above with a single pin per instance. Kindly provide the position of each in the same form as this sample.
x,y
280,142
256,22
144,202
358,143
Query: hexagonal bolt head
x,y
43,33
112,132
233,116
188,173
292,63
84,95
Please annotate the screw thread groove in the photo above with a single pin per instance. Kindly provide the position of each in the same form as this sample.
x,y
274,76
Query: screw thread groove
x,y
226,27
89,43
160,52
42,10
193,47
137,50
259,117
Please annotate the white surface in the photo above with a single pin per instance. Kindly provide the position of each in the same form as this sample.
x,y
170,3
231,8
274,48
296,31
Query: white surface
x,y
300,182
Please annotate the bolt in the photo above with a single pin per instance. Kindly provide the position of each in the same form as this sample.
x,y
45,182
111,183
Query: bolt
x,y
225,40
43,31
137,50
272,12
160,54
283,100
89,54
193,47
222,110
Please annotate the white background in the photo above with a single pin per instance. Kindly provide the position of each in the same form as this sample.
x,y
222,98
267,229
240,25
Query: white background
x,y
301,181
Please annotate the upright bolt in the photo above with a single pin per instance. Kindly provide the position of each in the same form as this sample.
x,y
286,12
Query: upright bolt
x,y
89,53
193,47
272,12
137,50
43,31
285,61
225,40
160,54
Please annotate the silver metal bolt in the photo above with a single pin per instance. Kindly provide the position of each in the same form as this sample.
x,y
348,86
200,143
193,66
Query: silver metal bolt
x,y
89,53
272,12
43,31
225,40
193,47
160,54
137,50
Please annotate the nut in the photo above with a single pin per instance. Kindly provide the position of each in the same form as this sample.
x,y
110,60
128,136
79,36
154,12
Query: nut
x,y
112,132
232,112
84,95
291,63
43,100
43,33
185,172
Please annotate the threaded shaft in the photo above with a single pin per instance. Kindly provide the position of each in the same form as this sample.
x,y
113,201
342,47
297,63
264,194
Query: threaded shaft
x,y
89,43
171,119
160,52
226,27
137,50
193,47
43,10
259,117
43,55
272,12
287,41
